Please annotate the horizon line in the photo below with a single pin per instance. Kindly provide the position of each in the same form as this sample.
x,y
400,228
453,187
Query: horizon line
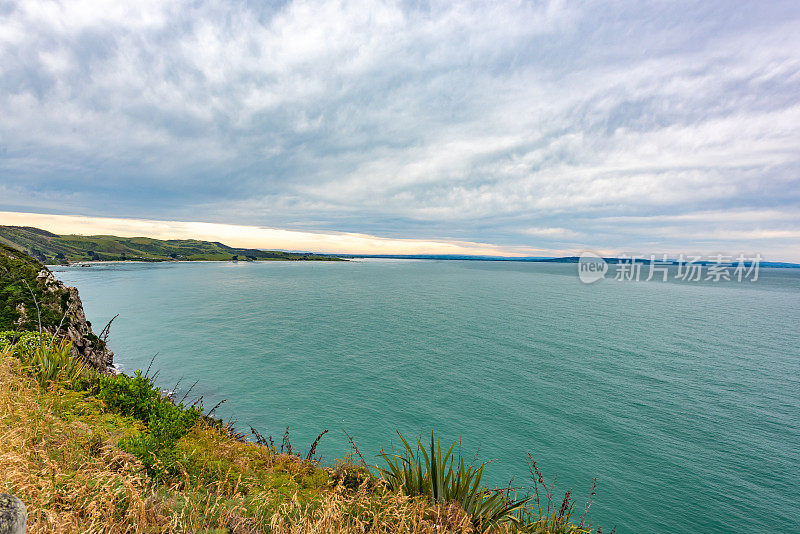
x,y
321,242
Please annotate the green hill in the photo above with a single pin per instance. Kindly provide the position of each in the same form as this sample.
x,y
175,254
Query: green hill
x,y
51,248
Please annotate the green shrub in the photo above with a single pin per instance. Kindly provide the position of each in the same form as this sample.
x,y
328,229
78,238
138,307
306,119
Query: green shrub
x,y
130,395
165,421
50,361
430,473
25,299
23,340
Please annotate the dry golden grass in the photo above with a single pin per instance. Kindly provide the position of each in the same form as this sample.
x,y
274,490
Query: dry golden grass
x,y
58,454
70,477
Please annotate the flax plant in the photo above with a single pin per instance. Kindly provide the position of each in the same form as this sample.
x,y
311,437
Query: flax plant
x,y
52,362
443,478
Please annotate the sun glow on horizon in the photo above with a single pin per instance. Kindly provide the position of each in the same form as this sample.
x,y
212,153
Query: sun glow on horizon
x,y
261,237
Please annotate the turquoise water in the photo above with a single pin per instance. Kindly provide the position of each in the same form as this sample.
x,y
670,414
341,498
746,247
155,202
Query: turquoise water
x,y
683,399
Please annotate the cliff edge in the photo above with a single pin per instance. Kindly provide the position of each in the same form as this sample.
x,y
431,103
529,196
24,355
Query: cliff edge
x,y
31,296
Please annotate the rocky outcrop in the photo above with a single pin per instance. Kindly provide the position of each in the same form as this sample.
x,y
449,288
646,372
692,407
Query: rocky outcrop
x,y
31,298
85,344
13,516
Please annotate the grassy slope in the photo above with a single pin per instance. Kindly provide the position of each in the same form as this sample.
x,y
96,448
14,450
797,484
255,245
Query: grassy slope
x,y
60,455
52,248
69,452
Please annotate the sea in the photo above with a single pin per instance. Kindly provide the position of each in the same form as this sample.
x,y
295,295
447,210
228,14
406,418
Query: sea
x,y
681,397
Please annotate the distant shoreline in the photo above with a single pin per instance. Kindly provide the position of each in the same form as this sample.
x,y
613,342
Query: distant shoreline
x,y
89,263
347,257
563,259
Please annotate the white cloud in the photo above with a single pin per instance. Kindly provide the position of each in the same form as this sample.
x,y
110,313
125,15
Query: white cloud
x,y
742,216
553,233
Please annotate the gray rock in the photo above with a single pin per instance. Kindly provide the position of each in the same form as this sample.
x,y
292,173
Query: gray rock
x,y
13,515
77,329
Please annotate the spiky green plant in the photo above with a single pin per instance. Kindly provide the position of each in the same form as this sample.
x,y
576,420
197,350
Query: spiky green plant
x,y
51,361
443,478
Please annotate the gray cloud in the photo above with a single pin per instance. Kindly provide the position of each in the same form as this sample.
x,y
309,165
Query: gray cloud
x,y
530,123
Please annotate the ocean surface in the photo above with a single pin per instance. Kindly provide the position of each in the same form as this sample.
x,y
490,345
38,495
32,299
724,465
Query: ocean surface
x,y
683,399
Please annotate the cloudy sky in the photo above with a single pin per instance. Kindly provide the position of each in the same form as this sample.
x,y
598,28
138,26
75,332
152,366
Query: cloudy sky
x,y
529,127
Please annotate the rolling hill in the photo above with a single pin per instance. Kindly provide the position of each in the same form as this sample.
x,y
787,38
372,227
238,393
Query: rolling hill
x,y
52,248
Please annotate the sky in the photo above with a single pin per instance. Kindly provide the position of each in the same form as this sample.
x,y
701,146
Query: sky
x,y
506,128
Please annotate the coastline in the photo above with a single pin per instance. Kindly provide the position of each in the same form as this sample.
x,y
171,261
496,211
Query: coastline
x,y
102,262
126,455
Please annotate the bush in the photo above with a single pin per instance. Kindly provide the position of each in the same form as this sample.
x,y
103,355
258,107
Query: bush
x,y
22,292
130,395
166,422
50,361
24,340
